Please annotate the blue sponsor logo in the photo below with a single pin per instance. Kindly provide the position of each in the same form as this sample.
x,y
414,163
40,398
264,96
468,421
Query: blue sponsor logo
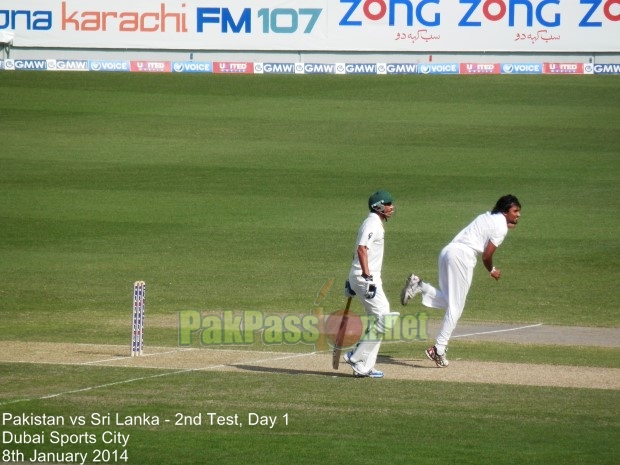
x,y
361,68
438,68
37,65
267,21
106,65
192,67
522,68
510,12
67,65
401,68
359,12
39,20
609,68
319,68
275,68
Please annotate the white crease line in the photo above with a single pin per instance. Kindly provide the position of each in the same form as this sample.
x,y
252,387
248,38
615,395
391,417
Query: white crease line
x,y
499,331
251,362
187,349
93,362
254,362
159,375
91,388
127,357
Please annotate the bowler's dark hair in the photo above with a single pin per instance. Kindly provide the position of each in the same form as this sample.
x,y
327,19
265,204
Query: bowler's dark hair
x,y
505,203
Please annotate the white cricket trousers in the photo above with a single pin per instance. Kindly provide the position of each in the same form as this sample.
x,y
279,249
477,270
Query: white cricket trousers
x,y
456,270
367,349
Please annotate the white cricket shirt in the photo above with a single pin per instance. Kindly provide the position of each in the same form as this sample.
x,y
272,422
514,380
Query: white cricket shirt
x,y
486,227
370,234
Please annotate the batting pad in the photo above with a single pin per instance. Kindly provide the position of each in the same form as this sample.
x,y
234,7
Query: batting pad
x,y
386,322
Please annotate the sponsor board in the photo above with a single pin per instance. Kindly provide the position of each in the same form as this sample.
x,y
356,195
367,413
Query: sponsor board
x,y
233,67
139,66
292,68
192,67
609,68
109,65
563,68
479,68
274,68
525,26
521,68
316,68
439,68
67,65
401,68
319,68
29,65
360,68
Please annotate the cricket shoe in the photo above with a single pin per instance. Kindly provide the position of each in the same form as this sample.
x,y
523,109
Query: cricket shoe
x,y
371,374
413,286
357,367
358,372
440,360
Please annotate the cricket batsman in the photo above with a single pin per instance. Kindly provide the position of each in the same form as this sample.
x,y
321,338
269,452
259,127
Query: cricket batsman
x,y
365,283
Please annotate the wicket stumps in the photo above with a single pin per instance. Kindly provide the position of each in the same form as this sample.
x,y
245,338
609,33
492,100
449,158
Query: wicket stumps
x,y
139,297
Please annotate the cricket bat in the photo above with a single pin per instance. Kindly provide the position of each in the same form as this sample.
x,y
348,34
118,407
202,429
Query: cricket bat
x,y
340,336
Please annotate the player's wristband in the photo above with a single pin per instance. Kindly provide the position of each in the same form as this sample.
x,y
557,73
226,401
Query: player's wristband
x,y
492,270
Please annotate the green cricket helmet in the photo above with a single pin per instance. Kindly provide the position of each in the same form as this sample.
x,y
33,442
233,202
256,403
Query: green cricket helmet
x,y
378,200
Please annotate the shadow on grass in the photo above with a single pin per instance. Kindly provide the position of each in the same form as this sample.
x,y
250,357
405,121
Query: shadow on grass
x,y
290,371
387,360
413,363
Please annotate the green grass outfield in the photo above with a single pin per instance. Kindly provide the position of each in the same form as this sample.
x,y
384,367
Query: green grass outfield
x,y
245,193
